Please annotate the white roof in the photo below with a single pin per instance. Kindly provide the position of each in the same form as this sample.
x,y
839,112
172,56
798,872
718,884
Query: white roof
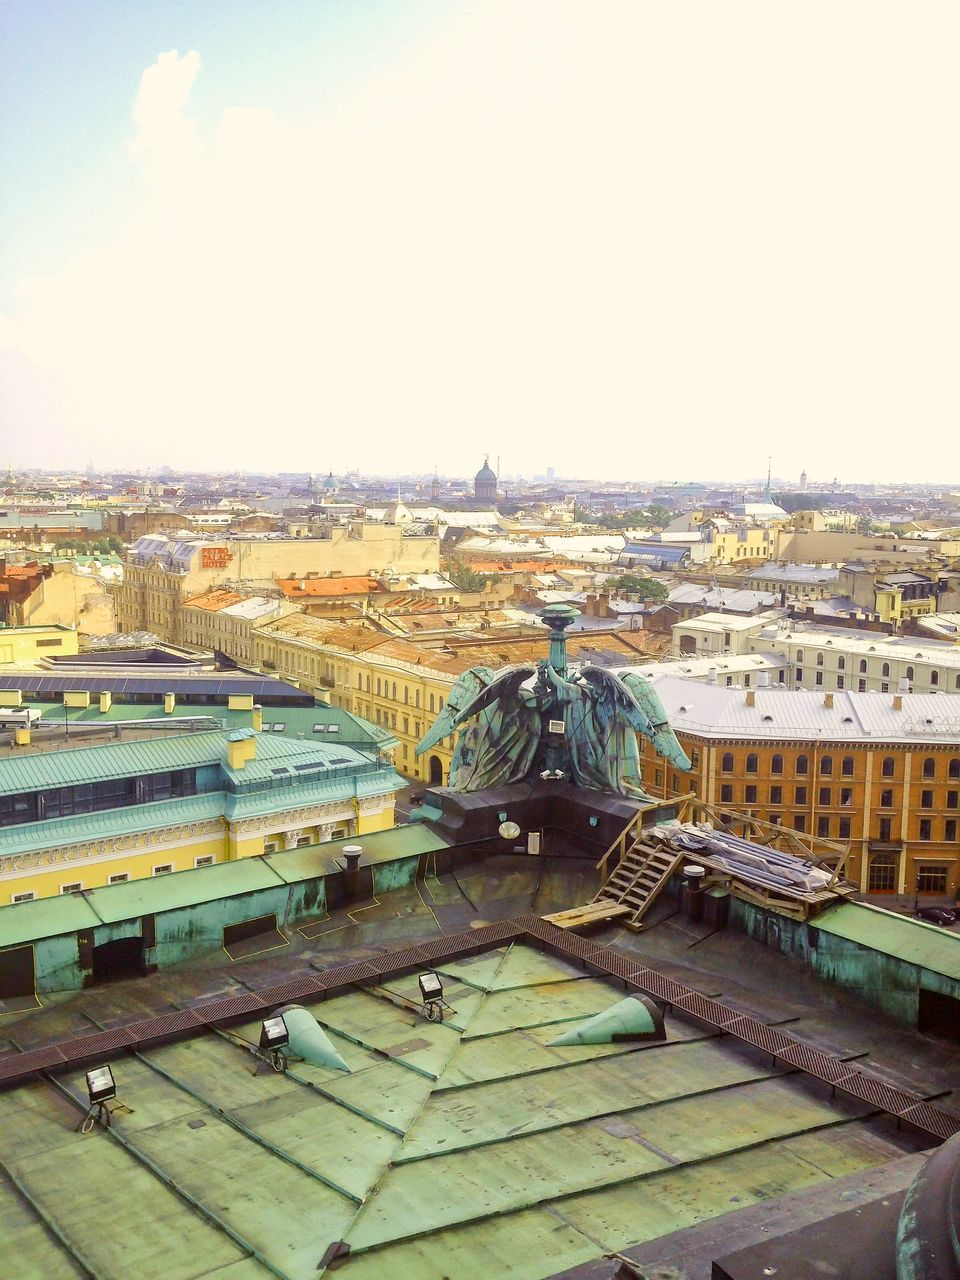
x,y
253,607
718,711
700,668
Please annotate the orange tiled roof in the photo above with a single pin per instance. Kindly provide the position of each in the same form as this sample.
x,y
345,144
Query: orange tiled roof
x,y
513,566
298,588
215,600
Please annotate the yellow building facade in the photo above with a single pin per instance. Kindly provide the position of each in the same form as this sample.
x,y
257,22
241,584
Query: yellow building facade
x,y
30,644
98,815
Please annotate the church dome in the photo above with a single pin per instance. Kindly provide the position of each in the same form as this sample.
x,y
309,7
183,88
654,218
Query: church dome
x,y
330,483
485,473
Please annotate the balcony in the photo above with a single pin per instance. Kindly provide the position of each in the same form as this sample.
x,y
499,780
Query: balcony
x,y
885,846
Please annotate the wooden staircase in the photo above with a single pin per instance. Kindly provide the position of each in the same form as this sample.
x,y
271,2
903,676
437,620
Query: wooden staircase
x,y
639,878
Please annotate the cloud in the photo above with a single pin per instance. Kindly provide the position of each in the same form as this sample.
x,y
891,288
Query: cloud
x,y
620,242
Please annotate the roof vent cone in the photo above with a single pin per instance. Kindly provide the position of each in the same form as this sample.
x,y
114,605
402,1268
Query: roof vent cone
x,y
712,675
903,685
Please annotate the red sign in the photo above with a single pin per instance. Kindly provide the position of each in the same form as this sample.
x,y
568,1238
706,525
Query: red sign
x,y
214,557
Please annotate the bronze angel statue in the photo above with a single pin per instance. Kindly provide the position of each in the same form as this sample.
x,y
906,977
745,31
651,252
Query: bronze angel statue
x,y
514,723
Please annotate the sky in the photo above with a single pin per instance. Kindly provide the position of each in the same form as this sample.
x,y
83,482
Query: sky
x,y
623,239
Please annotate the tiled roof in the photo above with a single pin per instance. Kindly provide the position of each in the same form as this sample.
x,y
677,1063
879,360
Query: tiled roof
x,y
299,588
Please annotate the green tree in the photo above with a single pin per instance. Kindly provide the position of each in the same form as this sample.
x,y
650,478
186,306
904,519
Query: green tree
x,y
633,584
462,576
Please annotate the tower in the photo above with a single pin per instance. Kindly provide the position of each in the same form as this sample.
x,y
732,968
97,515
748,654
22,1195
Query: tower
x,y
435,486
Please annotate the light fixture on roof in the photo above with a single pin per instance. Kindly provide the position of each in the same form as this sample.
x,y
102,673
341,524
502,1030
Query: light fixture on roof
x,y
431,992
274,1038
101,1089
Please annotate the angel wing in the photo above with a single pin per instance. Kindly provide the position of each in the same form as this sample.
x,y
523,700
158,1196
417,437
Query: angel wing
x,y
505,686
465,689
663,738
614,691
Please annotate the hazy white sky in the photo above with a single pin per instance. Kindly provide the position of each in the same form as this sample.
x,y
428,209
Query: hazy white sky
x,y
625,239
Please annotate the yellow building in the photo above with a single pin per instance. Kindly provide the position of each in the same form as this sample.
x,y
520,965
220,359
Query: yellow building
x,y
97,815
161,572
30,644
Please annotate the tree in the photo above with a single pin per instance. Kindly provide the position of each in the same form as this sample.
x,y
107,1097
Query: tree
x,y
462,576
633,584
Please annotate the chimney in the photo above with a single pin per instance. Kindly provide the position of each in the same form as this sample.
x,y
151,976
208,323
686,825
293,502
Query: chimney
x,y
828,699
712,675
751,698
241,748
106,701
169,703
257,718
898,702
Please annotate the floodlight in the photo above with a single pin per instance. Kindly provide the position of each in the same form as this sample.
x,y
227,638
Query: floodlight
x,y
509,830
431,988
546,774
100,1085
273,1033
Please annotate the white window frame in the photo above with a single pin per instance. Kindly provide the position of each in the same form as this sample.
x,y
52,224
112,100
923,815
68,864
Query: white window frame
x,y
26,895
118,877
205,860
75,887
271,846
163,869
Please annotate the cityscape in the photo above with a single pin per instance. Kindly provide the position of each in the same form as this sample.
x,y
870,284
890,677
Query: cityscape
x,y
479,644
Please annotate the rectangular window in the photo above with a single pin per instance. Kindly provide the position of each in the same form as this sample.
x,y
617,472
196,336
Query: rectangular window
x,y
205,861
22,897
750,795
846,796
119,877
164,869
886,799
839,682
882,876
726,793
823,828
925,828
950,829
931,879
799,822
776,795
658,778
800,795
302,841
952,799
71,888
926,799
799,675
270,846
844,829
825,797
819,677
862,686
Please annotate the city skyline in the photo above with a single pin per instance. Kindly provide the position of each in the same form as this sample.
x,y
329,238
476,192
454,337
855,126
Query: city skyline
x,y
251,231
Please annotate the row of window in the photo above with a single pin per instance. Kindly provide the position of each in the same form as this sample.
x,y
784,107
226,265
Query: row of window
x,y
828,827
825,796
91,797
933,676
847,765
118,877
882,876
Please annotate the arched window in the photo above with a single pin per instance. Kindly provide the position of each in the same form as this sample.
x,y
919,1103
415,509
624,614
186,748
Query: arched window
x,y
826,764
956,682
934,677
430,703
416,698
929,767
368,684
726,762
887,767
406,695
802,764
910,674
360,681
378,687
885,670
841,663
953,769
799,657
752,763
394,694
819,659
776,764
863,666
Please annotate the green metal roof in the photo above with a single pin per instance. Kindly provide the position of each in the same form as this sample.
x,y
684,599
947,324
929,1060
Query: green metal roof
x,y
180,889
381,846
914,941
467,1148
59,832
45,918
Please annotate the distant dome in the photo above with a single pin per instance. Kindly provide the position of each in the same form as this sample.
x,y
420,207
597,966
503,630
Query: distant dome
x,y
330,483
485,473
485,483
